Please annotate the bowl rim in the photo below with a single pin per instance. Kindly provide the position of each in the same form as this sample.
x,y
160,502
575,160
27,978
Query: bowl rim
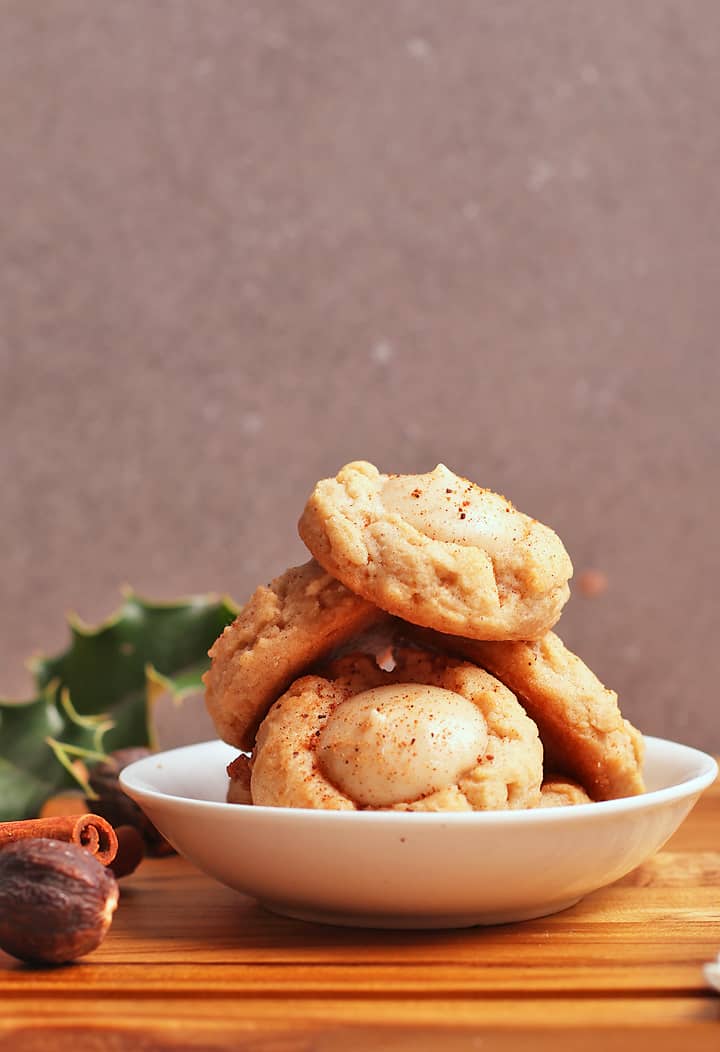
x,y
133,780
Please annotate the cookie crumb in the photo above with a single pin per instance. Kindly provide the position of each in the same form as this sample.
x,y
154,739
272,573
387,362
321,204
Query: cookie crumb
x,y
385,659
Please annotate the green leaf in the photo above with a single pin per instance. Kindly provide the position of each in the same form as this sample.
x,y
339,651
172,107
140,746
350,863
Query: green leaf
x,y
98,694
29,771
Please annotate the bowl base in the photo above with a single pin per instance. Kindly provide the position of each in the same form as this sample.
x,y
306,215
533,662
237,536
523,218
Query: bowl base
x,y
418,920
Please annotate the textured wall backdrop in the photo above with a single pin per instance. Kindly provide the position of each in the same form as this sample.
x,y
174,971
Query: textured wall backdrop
x,y
244,242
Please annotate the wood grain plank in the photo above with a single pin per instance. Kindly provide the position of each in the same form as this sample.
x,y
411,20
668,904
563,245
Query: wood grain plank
x,y
190,964
649,920
490,978
179,1013
342,1037
629,925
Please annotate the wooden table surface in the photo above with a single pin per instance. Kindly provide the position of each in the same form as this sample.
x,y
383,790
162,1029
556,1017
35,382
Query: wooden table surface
x,y
189,964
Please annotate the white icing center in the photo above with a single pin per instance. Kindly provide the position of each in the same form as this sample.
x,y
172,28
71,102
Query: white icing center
x,y
397,743
447,508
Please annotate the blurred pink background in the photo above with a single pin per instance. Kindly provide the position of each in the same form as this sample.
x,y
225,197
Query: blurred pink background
x,y
243,243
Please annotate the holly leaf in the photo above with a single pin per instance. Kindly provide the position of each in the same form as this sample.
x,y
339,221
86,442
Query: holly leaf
x,y
99,693
29,771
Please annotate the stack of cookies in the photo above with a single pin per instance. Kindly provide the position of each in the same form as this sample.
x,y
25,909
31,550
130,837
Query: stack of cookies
x,y
410,664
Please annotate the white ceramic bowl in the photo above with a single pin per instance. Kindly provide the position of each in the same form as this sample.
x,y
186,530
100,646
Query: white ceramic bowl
x,y
412,870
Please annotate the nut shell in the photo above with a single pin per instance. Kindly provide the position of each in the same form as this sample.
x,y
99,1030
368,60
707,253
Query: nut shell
x,y
130,853
115,806
56,901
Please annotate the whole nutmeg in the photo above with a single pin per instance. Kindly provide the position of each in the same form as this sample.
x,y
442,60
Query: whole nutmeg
x,y
56,901
130,852
115,805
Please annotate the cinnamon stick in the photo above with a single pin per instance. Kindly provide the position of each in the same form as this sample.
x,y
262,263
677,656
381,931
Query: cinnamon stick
x,y
89,831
